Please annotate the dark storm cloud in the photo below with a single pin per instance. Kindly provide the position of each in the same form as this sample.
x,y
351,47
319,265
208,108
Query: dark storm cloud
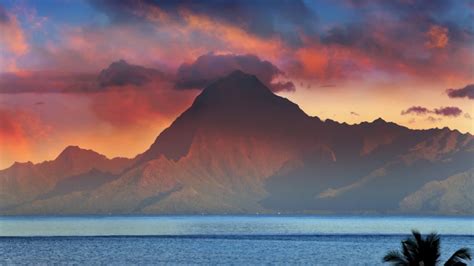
x,y
450,111
210,67
466,92
263,18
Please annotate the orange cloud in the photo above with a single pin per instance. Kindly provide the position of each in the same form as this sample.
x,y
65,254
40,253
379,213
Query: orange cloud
x,y
13,38
437,37
19,132
326,63
235,39
12,41
132,105
167,43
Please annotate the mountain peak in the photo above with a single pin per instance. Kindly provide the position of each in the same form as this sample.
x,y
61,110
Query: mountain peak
x,y
238,103
240,80
119,63
379,121
73,151
236,88
72,148
239,74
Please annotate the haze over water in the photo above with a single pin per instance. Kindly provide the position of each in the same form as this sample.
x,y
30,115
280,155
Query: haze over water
x,y
218,239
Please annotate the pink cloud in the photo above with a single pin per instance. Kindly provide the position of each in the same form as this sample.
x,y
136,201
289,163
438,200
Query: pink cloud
x,y
13,42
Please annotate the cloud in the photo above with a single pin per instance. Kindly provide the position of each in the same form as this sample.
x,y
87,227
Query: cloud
x,y
121,73
4,17
467,91
433,119
46,81
130,105
373,41
437,37
450,111
404,37
210,67
13,38
418,110
122,94
283,19
13,42
20,130
118,74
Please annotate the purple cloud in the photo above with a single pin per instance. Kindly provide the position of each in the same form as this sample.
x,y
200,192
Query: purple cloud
x,y
467,91
210,67
418,110
448,111
443,111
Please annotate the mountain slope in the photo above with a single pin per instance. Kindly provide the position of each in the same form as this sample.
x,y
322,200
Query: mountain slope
x,y
452,195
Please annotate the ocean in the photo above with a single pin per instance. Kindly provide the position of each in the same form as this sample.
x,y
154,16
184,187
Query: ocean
x,y
125,240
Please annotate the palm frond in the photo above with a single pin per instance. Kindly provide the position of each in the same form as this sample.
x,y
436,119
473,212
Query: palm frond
x,y
396,258
408,250
417,235
462,254
431,249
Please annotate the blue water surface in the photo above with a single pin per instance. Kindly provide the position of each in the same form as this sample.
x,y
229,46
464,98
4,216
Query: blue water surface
x,y
124,240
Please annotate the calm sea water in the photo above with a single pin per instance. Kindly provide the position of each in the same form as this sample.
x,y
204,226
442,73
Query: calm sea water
x,y
324,240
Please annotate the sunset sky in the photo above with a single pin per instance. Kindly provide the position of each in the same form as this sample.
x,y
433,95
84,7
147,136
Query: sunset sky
x,y
407,61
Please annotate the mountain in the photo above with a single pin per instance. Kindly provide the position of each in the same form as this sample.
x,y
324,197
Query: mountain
x,y
239,148
452,195
25,182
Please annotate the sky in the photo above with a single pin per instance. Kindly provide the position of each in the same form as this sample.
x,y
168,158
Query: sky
x,y
111,75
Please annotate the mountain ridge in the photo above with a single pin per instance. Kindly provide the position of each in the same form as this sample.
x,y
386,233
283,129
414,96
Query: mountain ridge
x,y
239,148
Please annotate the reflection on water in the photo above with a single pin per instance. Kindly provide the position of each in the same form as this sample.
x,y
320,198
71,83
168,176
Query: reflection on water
x,y
229,225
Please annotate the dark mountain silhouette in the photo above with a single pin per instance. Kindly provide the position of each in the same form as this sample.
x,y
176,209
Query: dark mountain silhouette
x,y
239,148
